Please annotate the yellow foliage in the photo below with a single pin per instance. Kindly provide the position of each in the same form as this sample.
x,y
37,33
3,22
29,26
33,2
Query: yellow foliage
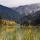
x,y
7,22
29,30
10,29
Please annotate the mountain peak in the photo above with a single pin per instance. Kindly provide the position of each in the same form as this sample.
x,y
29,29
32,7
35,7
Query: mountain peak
x,y
27,9
1,5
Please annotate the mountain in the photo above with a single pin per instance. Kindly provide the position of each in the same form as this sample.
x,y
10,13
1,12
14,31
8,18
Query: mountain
x,y
22,15
8,14
31,19
28,9
36,18
28,12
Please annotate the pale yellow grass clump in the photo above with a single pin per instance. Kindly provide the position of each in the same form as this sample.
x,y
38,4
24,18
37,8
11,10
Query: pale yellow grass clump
x,y
8,22
10,29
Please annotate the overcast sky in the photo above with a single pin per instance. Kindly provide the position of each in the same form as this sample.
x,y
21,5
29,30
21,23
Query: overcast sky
x,y
15,3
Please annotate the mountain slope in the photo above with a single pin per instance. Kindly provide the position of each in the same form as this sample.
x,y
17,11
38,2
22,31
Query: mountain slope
x,y
8,13
28,12
36,18
27,9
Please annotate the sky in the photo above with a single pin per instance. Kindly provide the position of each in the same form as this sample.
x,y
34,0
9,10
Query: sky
x,y
16,3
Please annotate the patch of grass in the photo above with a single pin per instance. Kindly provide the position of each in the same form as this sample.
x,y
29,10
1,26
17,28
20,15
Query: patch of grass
x,y
17,33
8,33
